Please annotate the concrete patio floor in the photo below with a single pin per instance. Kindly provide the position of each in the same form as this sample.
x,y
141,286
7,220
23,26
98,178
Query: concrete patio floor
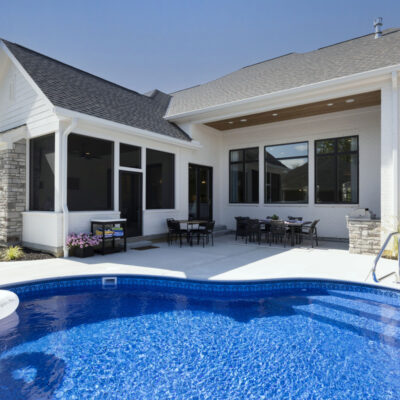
x,y
227,260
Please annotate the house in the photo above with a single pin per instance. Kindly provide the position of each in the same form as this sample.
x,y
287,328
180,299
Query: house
x,y
314,134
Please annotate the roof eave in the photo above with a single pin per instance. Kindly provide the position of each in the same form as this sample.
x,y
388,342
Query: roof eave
x,y
200,113
159,137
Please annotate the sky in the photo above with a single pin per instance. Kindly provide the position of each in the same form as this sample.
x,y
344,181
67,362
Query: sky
x,y
174,44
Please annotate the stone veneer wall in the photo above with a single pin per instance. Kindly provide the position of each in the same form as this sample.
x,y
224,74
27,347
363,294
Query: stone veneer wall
x,y
12,192
364,236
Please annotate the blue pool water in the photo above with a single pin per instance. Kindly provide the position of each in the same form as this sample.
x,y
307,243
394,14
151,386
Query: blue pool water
x,y
166,339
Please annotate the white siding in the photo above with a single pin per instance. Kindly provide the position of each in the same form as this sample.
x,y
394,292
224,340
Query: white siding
x,y
363,122
20,103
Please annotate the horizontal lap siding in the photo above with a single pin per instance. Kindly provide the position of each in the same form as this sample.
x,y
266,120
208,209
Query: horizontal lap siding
x,y
27,106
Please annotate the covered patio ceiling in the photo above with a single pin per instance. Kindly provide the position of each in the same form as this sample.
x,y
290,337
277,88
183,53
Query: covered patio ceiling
x,y
301,111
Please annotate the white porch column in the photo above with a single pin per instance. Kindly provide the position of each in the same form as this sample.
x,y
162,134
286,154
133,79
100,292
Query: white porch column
x,y
390,156
58,170
116,175
261,176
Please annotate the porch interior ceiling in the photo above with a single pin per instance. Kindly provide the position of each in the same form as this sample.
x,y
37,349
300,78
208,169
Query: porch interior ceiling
x,y
301,111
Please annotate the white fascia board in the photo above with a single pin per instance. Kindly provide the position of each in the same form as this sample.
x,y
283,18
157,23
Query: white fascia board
x,y
376,73
158,137
22,70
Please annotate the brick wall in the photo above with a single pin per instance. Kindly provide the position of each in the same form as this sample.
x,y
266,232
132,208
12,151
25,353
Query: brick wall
x,y
364,236
12,192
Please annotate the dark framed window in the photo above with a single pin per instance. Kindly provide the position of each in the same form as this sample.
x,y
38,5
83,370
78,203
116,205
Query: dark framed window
x,y
130,156
41,173
160,180
286,173
243,175
336,170
90,173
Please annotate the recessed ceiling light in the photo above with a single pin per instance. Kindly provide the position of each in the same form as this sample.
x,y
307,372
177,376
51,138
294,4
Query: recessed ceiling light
x,y
243,120
350,101
230,122
330,104
275,114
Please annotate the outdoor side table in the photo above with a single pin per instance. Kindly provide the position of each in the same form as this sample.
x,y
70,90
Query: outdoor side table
x,y
114,240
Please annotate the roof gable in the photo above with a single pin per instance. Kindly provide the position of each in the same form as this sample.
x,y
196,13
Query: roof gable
x,y
76,90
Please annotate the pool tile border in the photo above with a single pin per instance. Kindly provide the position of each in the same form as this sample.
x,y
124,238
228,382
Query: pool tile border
x,y
182,286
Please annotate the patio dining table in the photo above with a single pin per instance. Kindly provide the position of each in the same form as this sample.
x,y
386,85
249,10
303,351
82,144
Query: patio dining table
x,y
190,222
292,225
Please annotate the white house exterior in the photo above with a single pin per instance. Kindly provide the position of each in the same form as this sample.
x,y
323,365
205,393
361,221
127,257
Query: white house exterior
x,y
338,105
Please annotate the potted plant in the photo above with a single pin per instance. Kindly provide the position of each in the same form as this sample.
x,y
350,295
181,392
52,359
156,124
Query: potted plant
x,y
82,244
275,217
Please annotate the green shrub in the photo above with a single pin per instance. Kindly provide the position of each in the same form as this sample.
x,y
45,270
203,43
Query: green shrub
x,y
13,253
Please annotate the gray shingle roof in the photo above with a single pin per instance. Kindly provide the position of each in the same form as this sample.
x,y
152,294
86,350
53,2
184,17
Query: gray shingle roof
x,y
76,90
292,70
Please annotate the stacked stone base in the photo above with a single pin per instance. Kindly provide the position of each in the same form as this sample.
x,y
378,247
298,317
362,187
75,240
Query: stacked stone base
x,y
12,192
364,236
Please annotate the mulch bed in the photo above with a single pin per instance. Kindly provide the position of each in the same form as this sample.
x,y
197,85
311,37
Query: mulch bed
x,y
29,255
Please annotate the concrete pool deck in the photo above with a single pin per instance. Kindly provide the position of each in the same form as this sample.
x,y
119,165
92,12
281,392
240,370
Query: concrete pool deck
x,y
227,260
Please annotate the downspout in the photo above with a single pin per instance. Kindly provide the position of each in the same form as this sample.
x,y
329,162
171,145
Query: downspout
x,y
64,157
395,144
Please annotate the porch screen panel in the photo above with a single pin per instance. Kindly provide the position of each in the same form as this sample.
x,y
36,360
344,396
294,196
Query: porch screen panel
x,y
336,170
41,185
160,180
286,173
90,173
243,176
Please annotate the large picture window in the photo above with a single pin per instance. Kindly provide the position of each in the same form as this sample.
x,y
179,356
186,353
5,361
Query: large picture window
x,y
243,176
336,170
286,173
90,173
41,172
160,180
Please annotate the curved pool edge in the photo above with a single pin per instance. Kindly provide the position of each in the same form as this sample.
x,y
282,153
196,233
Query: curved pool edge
x,y
265,287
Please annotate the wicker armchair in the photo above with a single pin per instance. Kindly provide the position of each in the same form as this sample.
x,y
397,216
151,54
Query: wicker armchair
x,y
309,231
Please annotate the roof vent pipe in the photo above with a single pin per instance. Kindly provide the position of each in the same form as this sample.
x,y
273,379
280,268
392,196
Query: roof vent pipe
x,y
378,27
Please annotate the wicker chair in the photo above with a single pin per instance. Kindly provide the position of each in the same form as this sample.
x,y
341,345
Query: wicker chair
x,y
279,233
297,230
253,230
175,232
241,227
204,232
309,231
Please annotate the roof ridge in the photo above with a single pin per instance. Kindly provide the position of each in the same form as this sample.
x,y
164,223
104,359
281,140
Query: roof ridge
x,y
384,33
75,68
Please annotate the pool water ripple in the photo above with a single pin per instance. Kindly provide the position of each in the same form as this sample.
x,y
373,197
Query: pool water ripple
x,y
148,344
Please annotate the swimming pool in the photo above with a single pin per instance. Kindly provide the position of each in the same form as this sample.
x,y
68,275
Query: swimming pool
x,y
149,338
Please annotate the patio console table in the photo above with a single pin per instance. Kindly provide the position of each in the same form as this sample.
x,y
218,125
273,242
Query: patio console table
x,y
113,239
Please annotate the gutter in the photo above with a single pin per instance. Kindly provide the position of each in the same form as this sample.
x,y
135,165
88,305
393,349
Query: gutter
x,y
63,112
287,92
65,211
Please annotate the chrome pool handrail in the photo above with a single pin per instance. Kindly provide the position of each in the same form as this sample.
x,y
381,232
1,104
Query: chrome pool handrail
x,y
378,257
